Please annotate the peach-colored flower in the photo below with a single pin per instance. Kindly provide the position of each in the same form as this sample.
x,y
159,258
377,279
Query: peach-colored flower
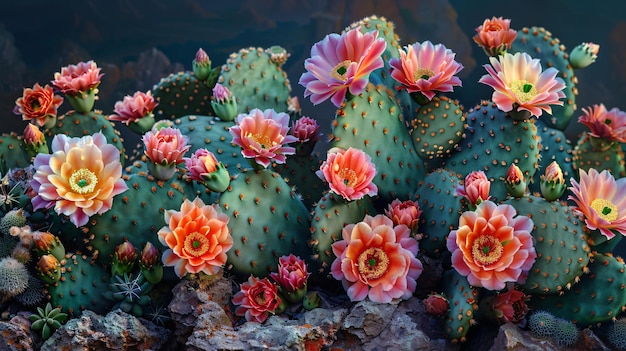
x,y
426,68
606,124
133,108
341,63
197,238
492,246
601,199
377,259
262,136
79,178
349,173
475,188
78,79
257,299
292,277
510,306
404,212
38,104
165,146
495,35
520,84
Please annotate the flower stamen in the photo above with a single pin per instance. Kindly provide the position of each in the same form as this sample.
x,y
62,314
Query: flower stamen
x,y
340,70
524,90
83,181
423,73
196,244
605,209
373,263
487,249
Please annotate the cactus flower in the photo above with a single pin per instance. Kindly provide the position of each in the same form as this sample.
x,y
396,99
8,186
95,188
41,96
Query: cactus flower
x,y
426,68
48,269
165,148
552,184
204,168
492,246
201,65
38,105
340,64
291,278
48,243
197,238
377,259
475,188
224,104
34,140
521,87
262,136
150,264
601,199
79,178
349,173
608,125
514,181
583,55
307,131
80,84
136,111
124,258
495,36
404,212
257,299
507,307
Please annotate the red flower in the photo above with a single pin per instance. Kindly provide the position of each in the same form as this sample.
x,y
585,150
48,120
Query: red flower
x,y
257,299
38,104
510,306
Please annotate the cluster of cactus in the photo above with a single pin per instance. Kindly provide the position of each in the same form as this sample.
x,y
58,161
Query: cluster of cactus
x,y
544,324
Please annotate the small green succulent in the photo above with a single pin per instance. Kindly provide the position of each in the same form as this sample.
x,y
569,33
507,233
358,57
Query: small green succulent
x,y
47,320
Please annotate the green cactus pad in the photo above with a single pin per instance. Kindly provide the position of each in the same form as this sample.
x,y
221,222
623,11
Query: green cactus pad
x,y
585,156
372,122
256,80
299,172
554,147
267,220
12,154
182,94
463,300
560,242
599,296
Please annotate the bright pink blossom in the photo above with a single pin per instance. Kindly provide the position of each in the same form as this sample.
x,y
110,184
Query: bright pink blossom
x,y
305,129
262,135
77,79
221,93
495,35
349,173
292,273
475,188
341,63
404,212
426,68
377,259
201,163
609,125
132,108
165,146
257,299
520,84
492,246
510,306
601,199
38,104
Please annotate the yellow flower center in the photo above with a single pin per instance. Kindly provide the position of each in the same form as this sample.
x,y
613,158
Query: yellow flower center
x,y
372,263
349,176
83,181
196,244
423,73
487,249
340,70
524,90
605,209
262,139
35,105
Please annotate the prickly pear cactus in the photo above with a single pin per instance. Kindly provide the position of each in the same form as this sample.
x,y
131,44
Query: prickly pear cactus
x,y
554,147
560,243
182,94
609,157
255,78
12,154
463,300
299,172
267,220
373,122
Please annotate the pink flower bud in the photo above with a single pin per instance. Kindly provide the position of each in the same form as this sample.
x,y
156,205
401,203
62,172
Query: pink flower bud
x,y
292,277
149,255
124,258
202,58
476,188
515,181
221,93
404,212
552,183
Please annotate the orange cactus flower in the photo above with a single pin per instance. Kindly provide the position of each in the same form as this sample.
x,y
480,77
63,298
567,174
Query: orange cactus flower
x,y
197,238
495,35
349,173
38,104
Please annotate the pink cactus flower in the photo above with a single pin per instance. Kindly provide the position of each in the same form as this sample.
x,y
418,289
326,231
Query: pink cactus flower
x,y
377,259
341,64
520,84
77,79
601,199
305,129
510,306
492,246
609,125
495,35
515,181
133,108
197,238
165,146
426,68
38,104
262,136
204,168
475,188
257,299
349,173
79,178
221,93
404,212
292,277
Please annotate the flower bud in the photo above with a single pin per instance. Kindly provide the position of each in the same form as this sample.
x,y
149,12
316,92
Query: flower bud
x,y
34,141
201,65
291,277
48,243
436,305
307,131
123,258
150,264
552,183
404,212
224,104
204,168
475,189
49,269
515,181
583,55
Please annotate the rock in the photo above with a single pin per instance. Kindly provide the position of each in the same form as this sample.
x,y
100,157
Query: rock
x,y
512,338
16,335
115,331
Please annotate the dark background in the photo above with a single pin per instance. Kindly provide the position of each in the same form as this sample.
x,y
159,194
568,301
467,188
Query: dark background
x,y
138,42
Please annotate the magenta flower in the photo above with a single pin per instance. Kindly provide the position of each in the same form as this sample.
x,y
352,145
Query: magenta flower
x,y
262,136
292,277
133,108
520,84
257,299
377,259
349,173
305,129
609,125
426,68
475,188
601,199
341,63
